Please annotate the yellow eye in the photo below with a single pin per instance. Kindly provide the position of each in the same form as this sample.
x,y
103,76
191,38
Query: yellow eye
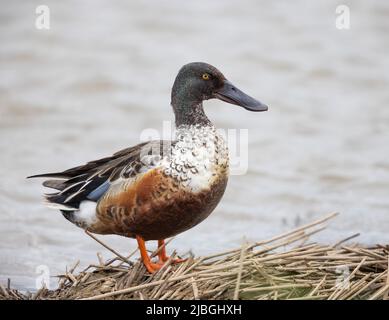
x,y
205,76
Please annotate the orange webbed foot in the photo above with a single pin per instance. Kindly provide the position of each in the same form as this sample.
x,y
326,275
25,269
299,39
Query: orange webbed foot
x,y
152,267
162,254
162,257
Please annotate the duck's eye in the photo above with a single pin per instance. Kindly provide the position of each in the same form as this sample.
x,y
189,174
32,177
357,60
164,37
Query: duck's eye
x,y
205,76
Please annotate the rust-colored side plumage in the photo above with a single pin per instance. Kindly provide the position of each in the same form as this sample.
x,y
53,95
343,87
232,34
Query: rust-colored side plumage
x,y
155,207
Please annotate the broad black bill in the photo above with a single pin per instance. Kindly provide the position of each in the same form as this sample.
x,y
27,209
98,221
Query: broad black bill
x,y
231,94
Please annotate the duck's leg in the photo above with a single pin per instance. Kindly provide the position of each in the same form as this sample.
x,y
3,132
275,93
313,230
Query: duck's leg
x,y
163,257
150,266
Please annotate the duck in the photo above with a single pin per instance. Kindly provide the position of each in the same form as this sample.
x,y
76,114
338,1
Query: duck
x,y
160,188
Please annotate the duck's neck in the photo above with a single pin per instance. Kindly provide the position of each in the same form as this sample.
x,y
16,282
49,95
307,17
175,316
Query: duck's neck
x,y
188,109
191,115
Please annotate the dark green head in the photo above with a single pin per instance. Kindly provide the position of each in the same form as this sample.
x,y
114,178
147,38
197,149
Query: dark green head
x,y
198,81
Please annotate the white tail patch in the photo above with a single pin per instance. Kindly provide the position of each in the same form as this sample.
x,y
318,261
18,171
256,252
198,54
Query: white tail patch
x,y
87,213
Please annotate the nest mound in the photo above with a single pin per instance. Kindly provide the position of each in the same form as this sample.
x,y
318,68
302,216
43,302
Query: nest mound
x,y
287,266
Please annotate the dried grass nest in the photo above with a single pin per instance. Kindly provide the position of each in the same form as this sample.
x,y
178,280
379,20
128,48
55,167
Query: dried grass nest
x,y
288,266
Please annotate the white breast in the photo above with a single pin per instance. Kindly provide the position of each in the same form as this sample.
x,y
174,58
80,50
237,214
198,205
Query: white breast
x,y
199,154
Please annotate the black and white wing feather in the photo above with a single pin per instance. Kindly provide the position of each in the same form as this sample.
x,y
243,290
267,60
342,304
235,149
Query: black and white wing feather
x,y
92,180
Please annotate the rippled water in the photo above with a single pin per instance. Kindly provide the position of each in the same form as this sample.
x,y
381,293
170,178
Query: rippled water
x,y
103,73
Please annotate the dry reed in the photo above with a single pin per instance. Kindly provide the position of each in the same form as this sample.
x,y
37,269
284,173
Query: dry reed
x,y
287,266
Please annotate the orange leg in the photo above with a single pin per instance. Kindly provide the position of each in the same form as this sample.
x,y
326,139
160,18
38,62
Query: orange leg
x,y
150,266
162,253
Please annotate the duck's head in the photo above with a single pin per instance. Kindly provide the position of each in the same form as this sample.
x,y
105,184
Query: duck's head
x,y
198,81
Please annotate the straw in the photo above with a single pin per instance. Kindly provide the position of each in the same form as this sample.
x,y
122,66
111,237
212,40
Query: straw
x,y
288,266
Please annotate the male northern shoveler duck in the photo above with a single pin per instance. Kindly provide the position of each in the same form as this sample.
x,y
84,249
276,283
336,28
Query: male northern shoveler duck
x,y
156,189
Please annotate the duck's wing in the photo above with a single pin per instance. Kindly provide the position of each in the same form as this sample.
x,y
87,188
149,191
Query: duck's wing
x,y
92,180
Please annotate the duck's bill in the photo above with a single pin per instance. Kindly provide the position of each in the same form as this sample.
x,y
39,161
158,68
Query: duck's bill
x,y
231,94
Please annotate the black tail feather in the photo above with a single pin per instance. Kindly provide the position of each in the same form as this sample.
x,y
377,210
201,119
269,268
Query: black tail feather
x,y
58,175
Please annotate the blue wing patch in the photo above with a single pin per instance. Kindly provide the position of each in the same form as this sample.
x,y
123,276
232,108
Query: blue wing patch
x,y
96,194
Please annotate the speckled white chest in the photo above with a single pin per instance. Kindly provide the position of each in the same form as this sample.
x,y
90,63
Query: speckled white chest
x,y
199,155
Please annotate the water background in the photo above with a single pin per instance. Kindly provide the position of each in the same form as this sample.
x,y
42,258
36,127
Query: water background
x,y
103,72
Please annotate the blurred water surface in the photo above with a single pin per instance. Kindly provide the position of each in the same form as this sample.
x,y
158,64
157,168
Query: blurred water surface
x,y
103,72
